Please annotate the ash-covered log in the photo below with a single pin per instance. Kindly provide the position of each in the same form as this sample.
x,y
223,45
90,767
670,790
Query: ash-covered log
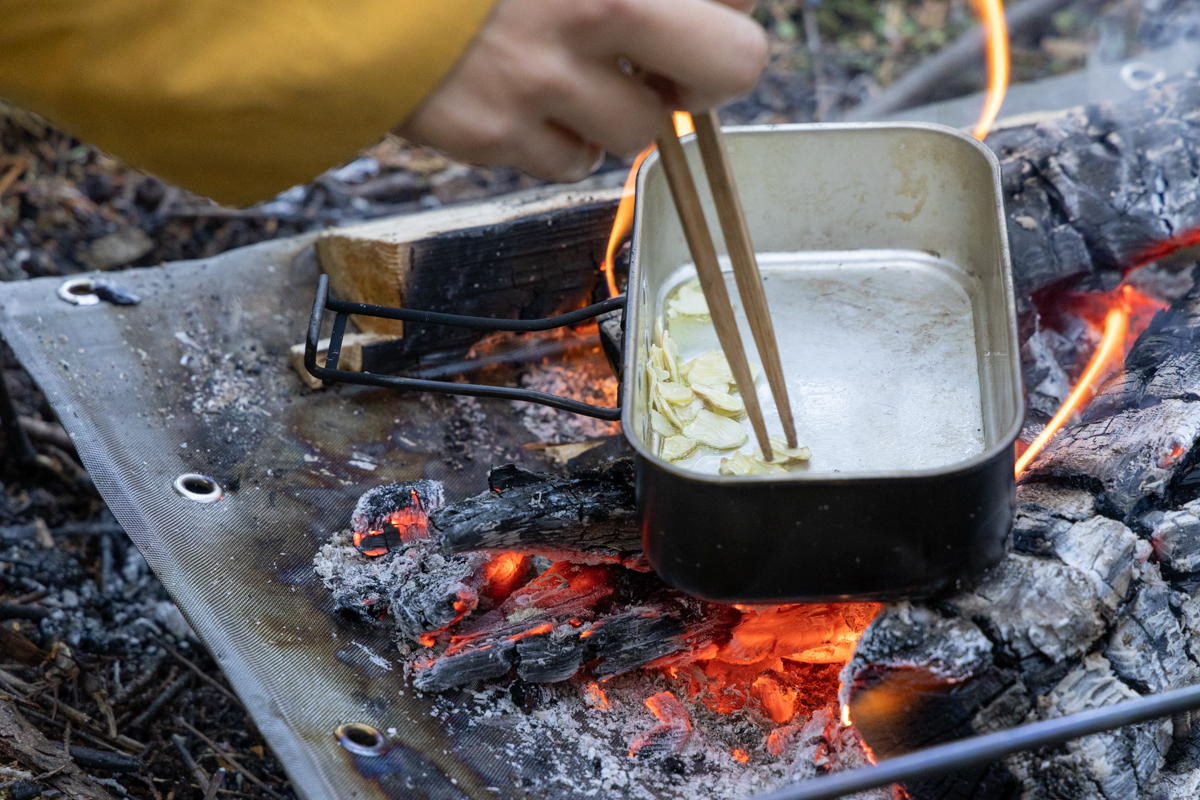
x,y
1099,190
1077,616
588,518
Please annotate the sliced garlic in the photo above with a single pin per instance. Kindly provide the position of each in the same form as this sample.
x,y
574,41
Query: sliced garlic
x,y
675,448
688,301
721,402
783,454
688,413
715,431
675,393
741,464
668,410
671,356
710,369
661,425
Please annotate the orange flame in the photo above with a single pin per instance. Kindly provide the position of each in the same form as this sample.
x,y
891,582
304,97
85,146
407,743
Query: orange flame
x,y
624,220
1127,316
996,30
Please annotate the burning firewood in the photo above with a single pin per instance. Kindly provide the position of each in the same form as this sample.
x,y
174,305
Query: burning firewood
x,y
588,518
1139,431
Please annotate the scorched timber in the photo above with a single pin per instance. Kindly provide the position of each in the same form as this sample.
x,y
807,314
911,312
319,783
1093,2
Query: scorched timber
x,y
526,256
1077,616
588,518
1102,189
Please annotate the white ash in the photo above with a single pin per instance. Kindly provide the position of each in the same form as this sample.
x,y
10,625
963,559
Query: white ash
x,y
580,379
581,750
415,582
224,381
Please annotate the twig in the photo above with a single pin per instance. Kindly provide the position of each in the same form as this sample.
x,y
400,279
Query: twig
x,y
14,172
966,51
215,784
250,776
206,678
37,778
190,763
82,734
42,431
167,695
83,719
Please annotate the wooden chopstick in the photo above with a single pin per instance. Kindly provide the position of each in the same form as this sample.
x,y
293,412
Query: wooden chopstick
x,y
708,270
745,263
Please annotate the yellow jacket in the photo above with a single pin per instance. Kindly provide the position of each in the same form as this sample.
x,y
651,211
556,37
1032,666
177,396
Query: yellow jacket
x,y
233,99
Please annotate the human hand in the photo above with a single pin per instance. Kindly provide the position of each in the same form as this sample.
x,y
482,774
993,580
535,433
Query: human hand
x,y
547,87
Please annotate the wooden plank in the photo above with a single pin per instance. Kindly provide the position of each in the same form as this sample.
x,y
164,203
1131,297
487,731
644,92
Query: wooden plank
x,y
518,257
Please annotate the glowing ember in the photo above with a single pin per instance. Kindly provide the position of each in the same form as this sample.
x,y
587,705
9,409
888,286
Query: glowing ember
x,y
996,30
741,756
400,527
595,697
813,634
1125,306
503,574
672,731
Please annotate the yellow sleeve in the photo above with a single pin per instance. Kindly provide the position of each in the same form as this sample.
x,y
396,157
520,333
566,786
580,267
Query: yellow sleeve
x,y
232,99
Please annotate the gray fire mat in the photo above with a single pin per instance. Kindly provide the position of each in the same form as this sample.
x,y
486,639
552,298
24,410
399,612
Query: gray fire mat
x,y
195,379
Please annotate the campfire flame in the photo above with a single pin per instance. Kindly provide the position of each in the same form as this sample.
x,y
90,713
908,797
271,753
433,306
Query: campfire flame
x,y
996,30
623,223
1128,314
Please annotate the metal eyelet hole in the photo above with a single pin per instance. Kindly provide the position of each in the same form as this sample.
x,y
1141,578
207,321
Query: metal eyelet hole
x,y
78,292
360,738
1139,75
199,488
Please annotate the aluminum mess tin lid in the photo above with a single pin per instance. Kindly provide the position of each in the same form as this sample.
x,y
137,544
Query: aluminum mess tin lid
x,y
885,257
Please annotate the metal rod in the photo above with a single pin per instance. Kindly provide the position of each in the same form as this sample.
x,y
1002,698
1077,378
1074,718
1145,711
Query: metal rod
x,y
331,375
468,389
488,323
936,761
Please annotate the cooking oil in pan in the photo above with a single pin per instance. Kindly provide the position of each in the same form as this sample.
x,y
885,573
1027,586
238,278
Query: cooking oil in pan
x,y
879,352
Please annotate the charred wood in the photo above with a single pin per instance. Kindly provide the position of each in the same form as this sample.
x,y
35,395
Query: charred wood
x,y
1101,189
588,518
521,257
572,617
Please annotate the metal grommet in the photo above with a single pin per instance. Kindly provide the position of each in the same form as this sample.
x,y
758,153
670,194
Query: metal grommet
x,y
78,292
197,487
362,739
1139,75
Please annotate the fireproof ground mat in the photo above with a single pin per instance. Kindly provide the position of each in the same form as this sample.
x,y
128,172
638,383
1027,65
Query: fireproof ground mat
x,y
195,380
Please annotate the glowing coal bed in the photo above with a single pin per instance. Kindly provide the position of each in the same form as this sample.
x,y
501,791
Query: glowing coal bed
x,y
588,660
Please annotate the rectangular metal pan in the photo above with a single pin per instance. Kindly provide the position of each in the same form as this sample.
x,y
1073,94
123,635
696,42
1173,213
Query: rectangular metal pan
x,y
885,257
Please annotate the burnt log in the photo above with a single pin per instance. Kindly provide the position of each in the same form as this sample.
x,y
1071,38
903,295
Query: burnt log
x,y
524,256
571,619
1099,190
587,518
1075,617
